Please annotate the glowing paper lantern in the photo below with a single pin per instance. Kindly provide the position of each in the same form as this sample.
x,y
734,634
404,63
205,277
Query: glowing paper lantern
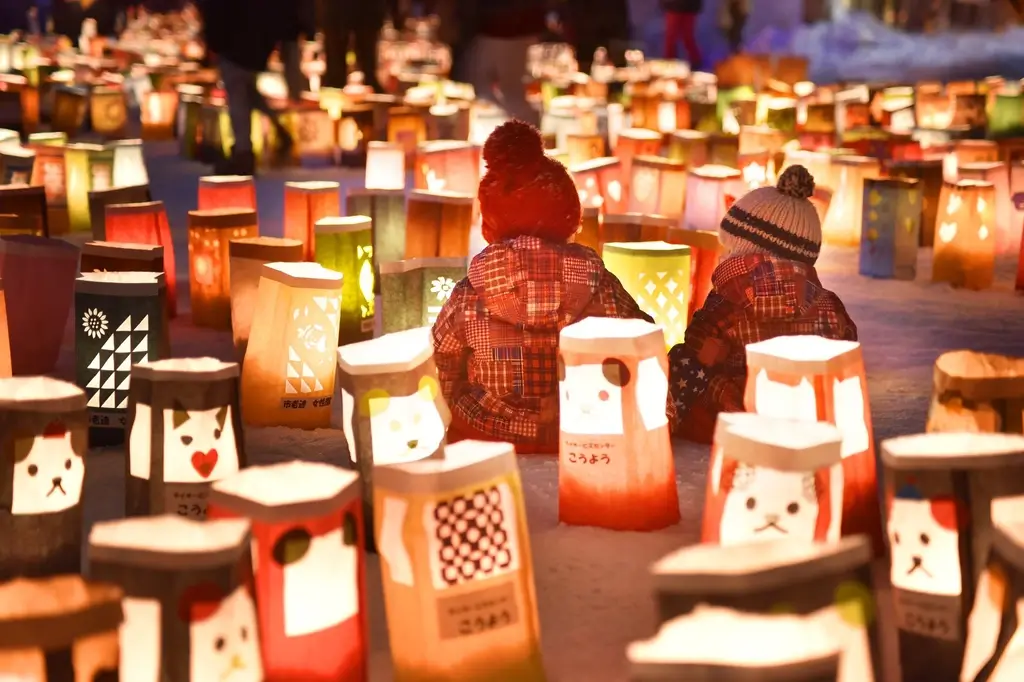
x,y
100,199
129,164
51,139
447,164
121,257
975,151
308,561
689,147
928,173
599,183
345,245
25,202
589,233
657,186
892,220
615,467
933,108
634,142
977,392
938,490
438,224
964,254
1007,231
187,612
70,105
842,226
704,253
304,204
583,147
407,128
157,112
634,227
108,111
44,439
288,374
143,223
247,256
657,275
386,208
88,167
818,164
724,149
710,191
385,166
49,173
474,619
413,291
355,130
226,191
209,235
830,583
16,164
314,132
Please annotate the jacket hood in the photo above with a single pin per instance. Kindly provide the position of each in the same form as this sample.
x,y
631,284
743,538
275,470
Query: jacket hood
x,y
770,288
536,284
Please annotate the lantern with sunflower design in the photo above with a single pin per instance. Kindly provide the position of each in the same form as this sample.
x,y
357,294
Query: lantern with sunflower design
x,y
438,224
304,204
413,291
226,191
385,166
892,221
108,111
345,245
209,235
447,164
600,184
247,256
964,253
88,167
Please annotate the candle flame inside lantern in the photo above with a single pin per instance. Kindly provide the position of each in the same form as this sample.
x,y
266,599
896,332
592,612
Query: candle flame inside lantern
x,y
755,175
436,183
730,124
950,168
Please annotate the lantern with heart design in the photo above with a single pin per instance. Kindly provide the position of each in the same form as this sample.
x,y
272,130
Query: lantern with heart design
x,y
28,202
657,275
209,235
965,252
977,392
87,167
844,220
184,433
188,613
16,165
226,191
928,173
892,220
304,204
1007,232
345,245
308,563
99,199
710,191
438,224
247,257
600,184
414,291
452,614
656,186
385,166
447,164
386,209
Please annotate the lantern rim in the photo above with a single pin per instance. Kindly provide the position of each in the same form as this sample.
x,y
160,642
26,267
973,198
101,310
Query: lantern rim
x,y
130,283
599,164
946,450
979,376
18,152
87,147
313,186
120,144
690,135
715,171
128,250
302,275
267,249
399,267
646,219
343,224
442,146
287,491
40,394
52,613
783,444
657,162
612,337
463,464
412,347
34,245
652,249
441,196
221,180
204,369
132,208
373,193
696,239
169,541
639,134
802,354
221,218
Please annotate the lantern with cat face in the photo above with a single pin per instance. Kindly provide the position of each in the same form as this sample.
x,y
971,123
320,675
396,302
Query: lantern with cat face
x,y
304,204
977,392
247,256
345,245
965,253
453,615
308,562
615,467
184,433
938,490
188,612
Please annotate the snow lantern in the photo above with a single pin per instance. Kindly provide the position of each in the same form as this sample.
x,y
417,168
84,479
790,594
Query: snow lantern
x,y
145,223
817,163
843,222
121,257
447,165
773,478
633,227
689,147
226,191
438,224
188,613
62,627
827,582
933,108
386,208
307,557
615,467
209,235
584,147
28,202
891,212
288,374
1007,230
589,232
599,184
158,111
43,273
965,250
194,439
44,436
710,192
17,163
657,186
407,127
928,173
247,256
129,164
413,291
975,151
100,199
385,166
345,245
977,392
304,204
471,618
634,142
87,167
657,275
108,111
705,249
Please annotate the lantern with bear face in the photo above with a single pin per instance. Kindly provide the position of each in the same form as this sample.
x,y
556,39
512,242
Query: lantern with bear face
x,y
209,236
977,392
414,291
308,563
188,612
247,257
386,208
304,204
99,200
657,186
345,245
599,183
657,275
615,467
447,164
226,191
438,224
965,252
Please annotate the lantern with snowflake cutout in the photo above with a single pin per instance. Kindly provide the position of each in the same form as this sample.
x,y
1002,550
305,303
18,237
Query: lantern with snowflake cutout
x,y
48,172
43,273
438,224
634,142
42,460
1007,232
226,191
977,392
710,192
101,198
830,583
108,111
413,291
60,628
842,225
27,202
385,166
656,186
129,164
16,165
447,164
657,275
88,167
247,256
634,227
288,374
308,562
615,467
209,234
928,173
589,232
892,219
184,433
584,147
158,114
304,204
386,208
702,645
600,184
705,249
689,147
70,105
964,254
938,491
345,245
121,257
451,614
188,612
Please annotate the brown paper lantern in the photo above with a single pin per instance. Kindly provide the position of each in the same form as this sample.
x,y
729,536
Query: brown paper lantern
x,y
247,256
977,392
437,224
121,257
18,224
16,165
304,204
928,173
964,252
25,201
689,147
108,111
209,235
48,172
584,147
100,199
386,208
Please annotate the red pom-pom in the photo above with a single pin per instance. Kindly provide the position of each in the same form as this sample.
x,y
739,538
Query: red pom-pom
x,y
513,145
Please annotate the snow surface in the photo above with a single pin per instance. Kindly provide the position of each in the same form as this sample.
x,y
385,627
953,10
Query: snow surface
x,y
593,586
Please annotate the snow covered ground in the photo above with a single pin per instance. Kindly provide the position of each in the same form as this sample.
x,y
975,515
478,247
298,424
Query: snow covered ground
x,y
592,585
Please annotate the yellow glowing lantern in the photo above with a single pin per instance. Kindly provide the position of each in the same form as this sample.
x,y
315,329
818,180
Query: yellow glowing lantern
x,y
407,128
657,275
129,164
385,166
447,164
413,291
724,147
964,252
634,227
108,111
657,186
158,112
583,147
689,147
88,167
345,245
600,184
209,235
304,204
710,191
248,255
842,225
817,163
1007,231
438,224
760,138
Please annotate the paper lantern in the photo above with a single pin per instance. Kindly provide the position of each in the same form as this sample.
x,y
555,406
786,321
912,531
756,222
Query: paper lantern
x,y
689,147
438,224
938,490
44,439
407,128
964,254
599,183
830,583
583,147
657,186
209,235
817,163
226,191
184,433
43,272
928,173
88,167
157,112
657,275
1006,115
345,245
724,149
413,291
969,111
473,619
143,223
842,226
315,134
60,628
385,166
386,208
890,234
308,560
51,139
589,234
710,191
108,111
1007,230
634,142
187,613
304,204
813,379
703,645
70,105
121,257
129,164
48,172
933,109
615,467
977,392
288,376
705,249
25,202
447,165
355,130
975,151
634,227
100,199
247,256
16,163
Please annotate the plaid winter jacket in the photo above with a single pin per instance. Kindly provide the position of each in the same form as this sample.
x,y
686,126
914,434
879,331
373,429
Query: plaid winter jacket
x,y
755,297
496,339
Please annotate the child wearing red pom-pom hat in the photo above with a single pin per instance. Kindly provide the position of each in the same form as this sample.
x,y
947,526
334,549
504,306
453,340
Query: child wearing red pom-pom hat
x,y
496,339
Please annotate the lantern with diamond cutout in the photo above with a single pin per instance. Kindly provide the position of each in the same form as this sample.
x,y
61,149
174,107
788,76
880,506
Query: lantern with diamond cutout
x,y
842,225
977,392
247,256
345,245
615,467
473,619
42,460
88,167
308,563
111,196
1007,233
710,192
122,257
447,164
129,164
385,166
289,369
304,204
413,291
889,236
145,223
657,186
226,191
209,235
705,249
188,612
657,275
600,184
964,254
438,224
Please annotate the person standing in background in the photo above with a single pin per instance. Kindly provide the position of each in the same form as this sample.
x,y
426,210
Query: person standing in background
x,y
361,21
732,18
590,25
681,26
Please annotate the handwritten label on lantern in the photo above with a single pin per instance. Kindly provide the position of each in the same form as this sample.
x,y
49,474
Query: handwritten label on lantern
x,y
107,420
933,616
303,404
580,452
482,611
186,500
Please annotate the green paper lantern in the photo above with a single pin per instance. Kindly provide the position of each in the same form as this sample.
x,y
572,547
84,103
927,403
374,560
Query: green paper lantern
x,y
87,167
345,245
413,291
1006,116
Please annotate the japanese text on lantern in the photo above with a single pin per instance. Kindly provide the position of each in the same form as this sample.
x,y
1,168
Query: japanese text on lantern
x,y
187,501
116,422
301,404
929,615
478,612
597,452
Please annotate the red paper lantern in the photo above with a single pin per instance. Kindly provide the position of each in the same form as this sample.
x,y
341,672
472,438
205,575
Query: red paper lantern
x,y
599,183
226,191
304,204
145,223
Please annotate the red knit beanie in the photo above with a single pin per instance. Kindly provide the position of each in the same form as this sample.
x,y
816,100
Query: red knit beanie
x,y
525,192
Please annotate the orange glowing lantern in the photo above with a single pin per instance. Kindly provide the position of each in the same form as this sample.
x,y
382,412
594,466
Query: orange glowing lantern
x,y
710,191
407,127
315,134
689,147
634,142
964,253
599,183
724,147
385,166
705,250
447,164
70,105
975,151
928,173
438,224
101,198
1007,231
657,186
844,220
226,191
589,233
158,111
248,255
108,111
209,235
304,204
48,172
634,227
145,223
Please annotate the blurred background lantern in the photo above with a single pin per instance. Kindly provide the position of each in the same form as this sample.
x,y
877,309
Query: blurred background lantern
x,y
247,256
16,165
88,167
304,204
21,224
407,128
42,461
386,208
288,374
50,139
385,166
355,130
928,173
315,134
657,275
975,151
226,191
129,163
977,392
100,199
634,227
689,147
724,148
438,224
965,253
184,433
584,147
634,142
710,191
158,112
842,226
121,257
447,164
657,186
345,245
600,184
818,164
589,234
705,249
890,234
48,172
145,223
26,202
1007,232
209,234
1006,115
108,111
70,105
413,291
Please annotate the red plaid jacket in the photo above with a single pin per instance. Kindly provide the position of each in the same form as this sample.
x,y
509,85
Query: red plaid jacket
x,y
496,338
755,297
